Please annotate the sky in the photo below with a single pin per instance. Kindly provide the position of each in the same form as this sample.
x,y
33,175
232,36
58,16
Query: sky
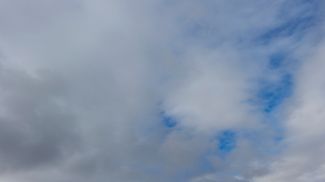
x,y
162,91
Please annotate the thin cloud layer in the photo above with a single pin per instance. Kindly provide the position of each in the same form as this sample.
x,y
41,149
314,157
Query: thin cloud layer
x,y
147,91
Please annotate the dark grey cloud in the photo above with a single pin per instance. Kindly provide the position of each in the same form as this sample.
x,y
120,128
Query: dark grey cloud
x,y
37,127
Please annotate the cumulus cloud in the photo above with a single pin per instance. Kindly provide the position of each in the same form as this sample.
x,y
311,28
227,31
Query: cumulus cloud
x,y
87,86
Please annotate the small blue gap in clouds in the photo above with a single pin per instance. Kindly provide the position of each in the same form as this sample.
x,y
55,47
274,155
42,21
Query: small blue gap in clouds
x,y
227,141
167,120
278,138
276,60
273,94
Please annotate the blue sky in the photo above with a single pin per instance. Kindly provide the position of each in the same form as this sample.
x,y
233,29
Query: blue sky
x,y
164,90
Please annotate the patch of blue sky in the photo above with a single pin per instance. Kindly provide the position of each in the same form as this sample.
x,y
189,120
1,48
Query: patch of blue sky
x,y
272,95
227,140
277,59
167,120
264,141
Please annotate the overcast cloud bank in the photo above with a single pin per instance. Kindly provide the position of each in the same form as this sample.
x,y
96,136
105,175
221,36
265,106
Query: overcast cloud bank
x,y
125,91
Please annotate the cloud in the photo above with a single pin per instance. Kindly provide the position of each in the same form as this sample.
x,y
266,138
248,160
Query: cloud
x,y
303,160
214,92
124,91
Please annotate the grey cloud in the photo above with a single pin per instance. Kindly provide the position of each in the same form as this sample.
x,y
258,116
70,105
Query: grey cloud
x,y
37,128
303,160
83,82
